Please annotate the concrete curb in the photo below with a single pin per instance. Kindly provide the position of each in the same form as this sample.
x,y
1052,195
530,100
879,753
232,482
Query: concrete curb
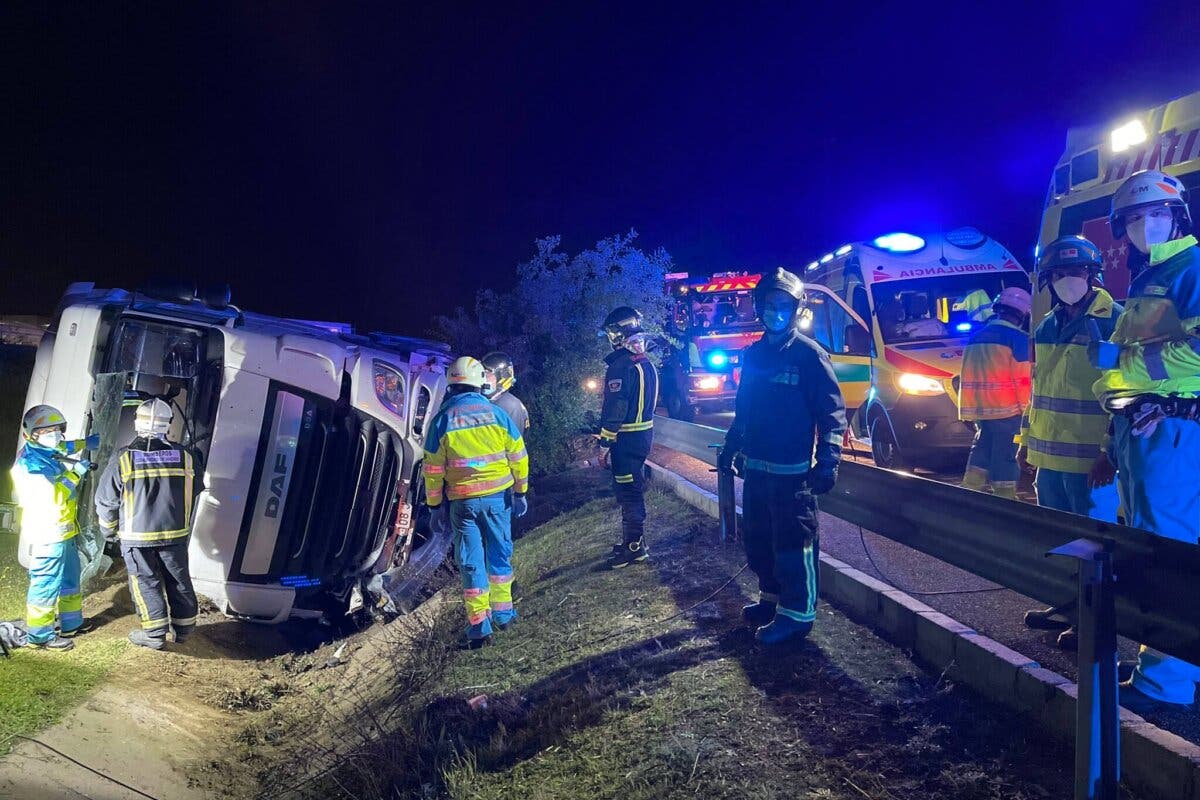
x,y
1153,761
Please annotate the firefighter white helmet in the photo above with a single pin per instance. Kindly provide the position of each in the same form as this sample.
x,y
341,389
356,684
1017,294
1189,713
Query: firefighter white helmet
x,y
41,417
153,418
1017,299
467,371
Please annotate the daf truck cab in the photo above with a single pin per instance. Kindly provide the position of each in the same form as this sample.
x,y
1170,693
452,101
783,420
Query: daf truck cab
x,y
310,436
894,315
1096,161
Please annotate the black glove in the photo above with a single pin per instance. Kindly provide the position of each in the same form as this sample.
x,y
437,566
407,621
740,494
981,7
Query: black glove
x,y
112,549
822,479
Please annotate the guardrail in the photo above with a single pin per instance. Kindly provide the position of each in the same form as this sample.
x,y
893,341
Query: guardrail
x,y
1126,580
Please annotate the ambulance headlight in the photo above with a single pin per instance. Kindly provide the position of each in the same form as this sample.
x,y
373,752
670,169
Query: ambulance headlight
x,y
923,385
1129,134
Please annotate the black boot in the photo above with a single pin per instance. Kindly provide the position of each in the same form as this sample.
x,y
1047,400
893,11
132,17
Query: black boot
x,y
57,643
758,614
631,553
143,639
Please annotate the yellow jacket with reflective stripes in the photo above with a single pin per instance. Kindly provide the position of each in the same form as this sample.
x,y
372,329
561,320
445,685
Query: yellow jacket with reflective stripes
x,y
49,503
473,449
995,382
147,492
1159,330
1065,426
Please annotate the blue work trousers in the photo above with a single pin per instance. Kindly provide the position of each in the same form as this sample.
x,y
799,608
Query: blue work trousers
x,y
994,453
482,529
1159,485
779,530
1068,491
53,590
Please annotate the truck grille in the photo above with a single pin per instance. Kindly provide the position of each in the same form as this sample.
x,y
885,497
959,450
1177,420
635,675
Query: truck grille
x,y
339,498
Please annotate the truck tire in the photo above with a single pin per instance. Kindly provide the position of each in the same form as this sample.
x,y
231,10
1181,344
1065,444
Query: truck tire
x,y
679,408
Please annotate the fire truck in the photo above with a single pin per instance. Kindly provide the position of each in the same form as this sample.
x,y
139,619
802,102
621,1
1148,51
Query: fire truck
x,y
310,436
712,322
1098,158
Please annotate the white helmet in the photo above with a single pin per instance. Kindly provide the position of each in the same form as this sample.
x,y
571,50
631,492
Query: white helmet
x,y
1016,298
467,371
153,418
1150,188
40,417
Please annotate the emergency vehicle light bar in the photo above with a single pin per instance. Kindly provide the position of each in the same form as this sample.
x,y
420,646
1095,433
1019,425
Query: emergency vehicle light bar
x,y
740,283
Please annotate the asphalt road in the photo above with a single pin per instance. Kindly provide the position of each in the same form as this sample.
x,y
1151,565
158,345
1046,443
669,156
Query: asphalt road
x,y
994,612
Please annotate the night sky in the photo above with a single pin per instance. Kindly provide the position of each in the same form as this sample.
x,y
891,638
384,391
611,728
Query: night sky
x,y
379,165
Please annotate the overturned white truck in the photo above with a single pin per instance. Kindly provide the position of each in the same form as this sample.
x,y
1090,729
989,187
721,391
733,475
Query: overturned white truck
x,y
311,437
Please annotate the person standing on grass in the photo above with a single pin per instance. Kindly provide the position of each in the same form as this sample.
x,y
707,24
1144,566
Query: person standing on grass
x,y
473,455
46,484
786,440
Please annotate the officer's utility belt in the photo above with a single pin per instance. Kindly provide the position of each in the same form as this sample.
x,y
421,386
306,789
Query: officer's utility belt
x,y
1171,405
758,465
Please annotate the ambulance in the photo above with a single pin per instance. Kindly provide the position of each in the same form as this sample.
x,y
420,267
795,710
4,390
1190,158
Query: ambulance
x,y
1098,158
311,437
713,320
894,314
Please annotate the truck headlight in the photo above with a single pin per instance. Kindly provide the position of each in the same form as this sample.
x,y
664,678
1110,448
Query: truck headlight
x,y
707,383
912,383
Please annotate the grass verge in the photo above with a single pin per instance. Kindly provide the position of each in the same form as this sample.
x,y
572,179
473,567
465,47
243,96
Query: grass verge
x,y
591,694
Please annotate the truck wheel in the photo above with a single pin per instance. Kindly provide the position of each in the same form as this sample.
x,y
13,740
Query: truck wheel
x,y
680,409
884,448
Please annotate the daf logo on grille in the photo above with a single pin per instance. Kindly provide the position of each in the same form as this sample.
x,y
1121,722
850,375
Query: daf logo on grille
x,y
278,481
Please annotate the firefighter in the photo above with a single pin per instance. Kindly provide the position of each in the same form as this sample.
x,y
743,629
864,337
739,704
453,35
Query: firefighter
x,y
994,392
500,380
474,454
1065,427
145,498
46,484
785,440
1150,383
627,428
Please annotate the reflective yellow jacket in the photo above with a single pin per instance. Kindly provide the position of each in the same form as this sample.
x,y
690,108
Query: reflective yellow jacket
x,y
1160,328
1065,426
49,502
473,449
995,373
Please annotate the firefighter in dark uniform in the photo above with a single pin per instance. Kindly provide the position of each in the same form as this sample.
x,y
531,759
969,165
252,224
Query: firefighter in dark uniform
x,y
627,427
786,441
145,497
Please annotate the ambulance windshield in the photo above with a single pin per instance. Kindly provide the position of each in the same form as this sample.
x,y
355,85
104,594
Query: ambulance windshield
x,y
951,307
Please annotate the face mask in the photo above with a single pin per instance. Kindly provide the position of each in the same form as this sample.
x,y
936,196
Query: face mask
x,y
51,440
1150,230
636,344
1071,289
776,321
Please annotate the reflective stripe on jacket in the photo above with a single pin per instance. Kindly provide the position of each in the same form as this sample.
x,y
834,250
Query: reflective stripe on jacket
x,y
147,492
473,449
49,503
995,382
1065,426
1160,328
630,395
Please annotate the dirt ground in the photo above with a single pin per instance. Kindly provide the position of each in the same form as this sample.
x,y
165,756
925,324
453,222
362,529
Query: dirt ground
x,y
610,685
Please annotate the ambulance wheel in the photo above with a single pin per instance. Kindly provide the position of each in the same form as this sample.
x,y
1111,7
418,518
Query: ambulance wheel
x,y
679,408
884,448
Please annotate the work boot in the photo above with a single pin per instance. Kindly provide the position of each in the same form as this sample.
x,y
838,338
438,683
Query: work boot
x,y
58,643
631,553
1046,619
783,630
467,643
1068,639
87,627
758,614
143,639
181,636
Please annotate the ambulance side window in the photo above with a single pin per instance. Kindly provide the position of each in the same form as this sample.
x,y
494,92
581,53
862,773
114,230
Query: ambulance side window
x,y
835,330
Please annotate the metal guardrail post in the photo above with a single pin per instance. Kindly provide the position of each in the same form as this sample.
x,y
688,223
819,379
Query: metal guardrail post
x,y
727,505
1097,715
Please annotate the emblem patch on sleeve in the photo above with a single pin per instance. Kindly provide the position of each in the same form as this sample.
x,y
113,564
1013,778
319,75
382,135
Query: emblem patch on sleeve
x,y
614,385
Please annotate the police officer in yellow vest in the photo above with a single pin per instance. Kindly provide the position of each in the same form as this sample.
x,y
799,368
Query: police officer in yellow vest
x,y
145,497
46,482
1151,383
1065,427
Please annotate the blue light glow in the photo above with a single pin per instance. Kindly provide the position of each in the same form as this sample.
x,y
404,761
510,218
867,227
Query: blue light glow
x,y
962,327
812,266
900,243
825,259
717,358
841,251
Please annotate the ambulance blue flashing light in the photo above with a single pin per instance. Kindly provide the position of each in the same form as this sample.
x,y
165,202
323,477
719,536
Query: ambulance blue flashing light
x,y
717,358
900,243
963,327
841,251
825,259
812,266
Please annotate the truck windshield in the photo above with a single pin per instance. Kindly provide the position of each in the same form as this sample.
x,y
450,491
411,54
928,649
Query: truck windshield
x,y
720,310
938,308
